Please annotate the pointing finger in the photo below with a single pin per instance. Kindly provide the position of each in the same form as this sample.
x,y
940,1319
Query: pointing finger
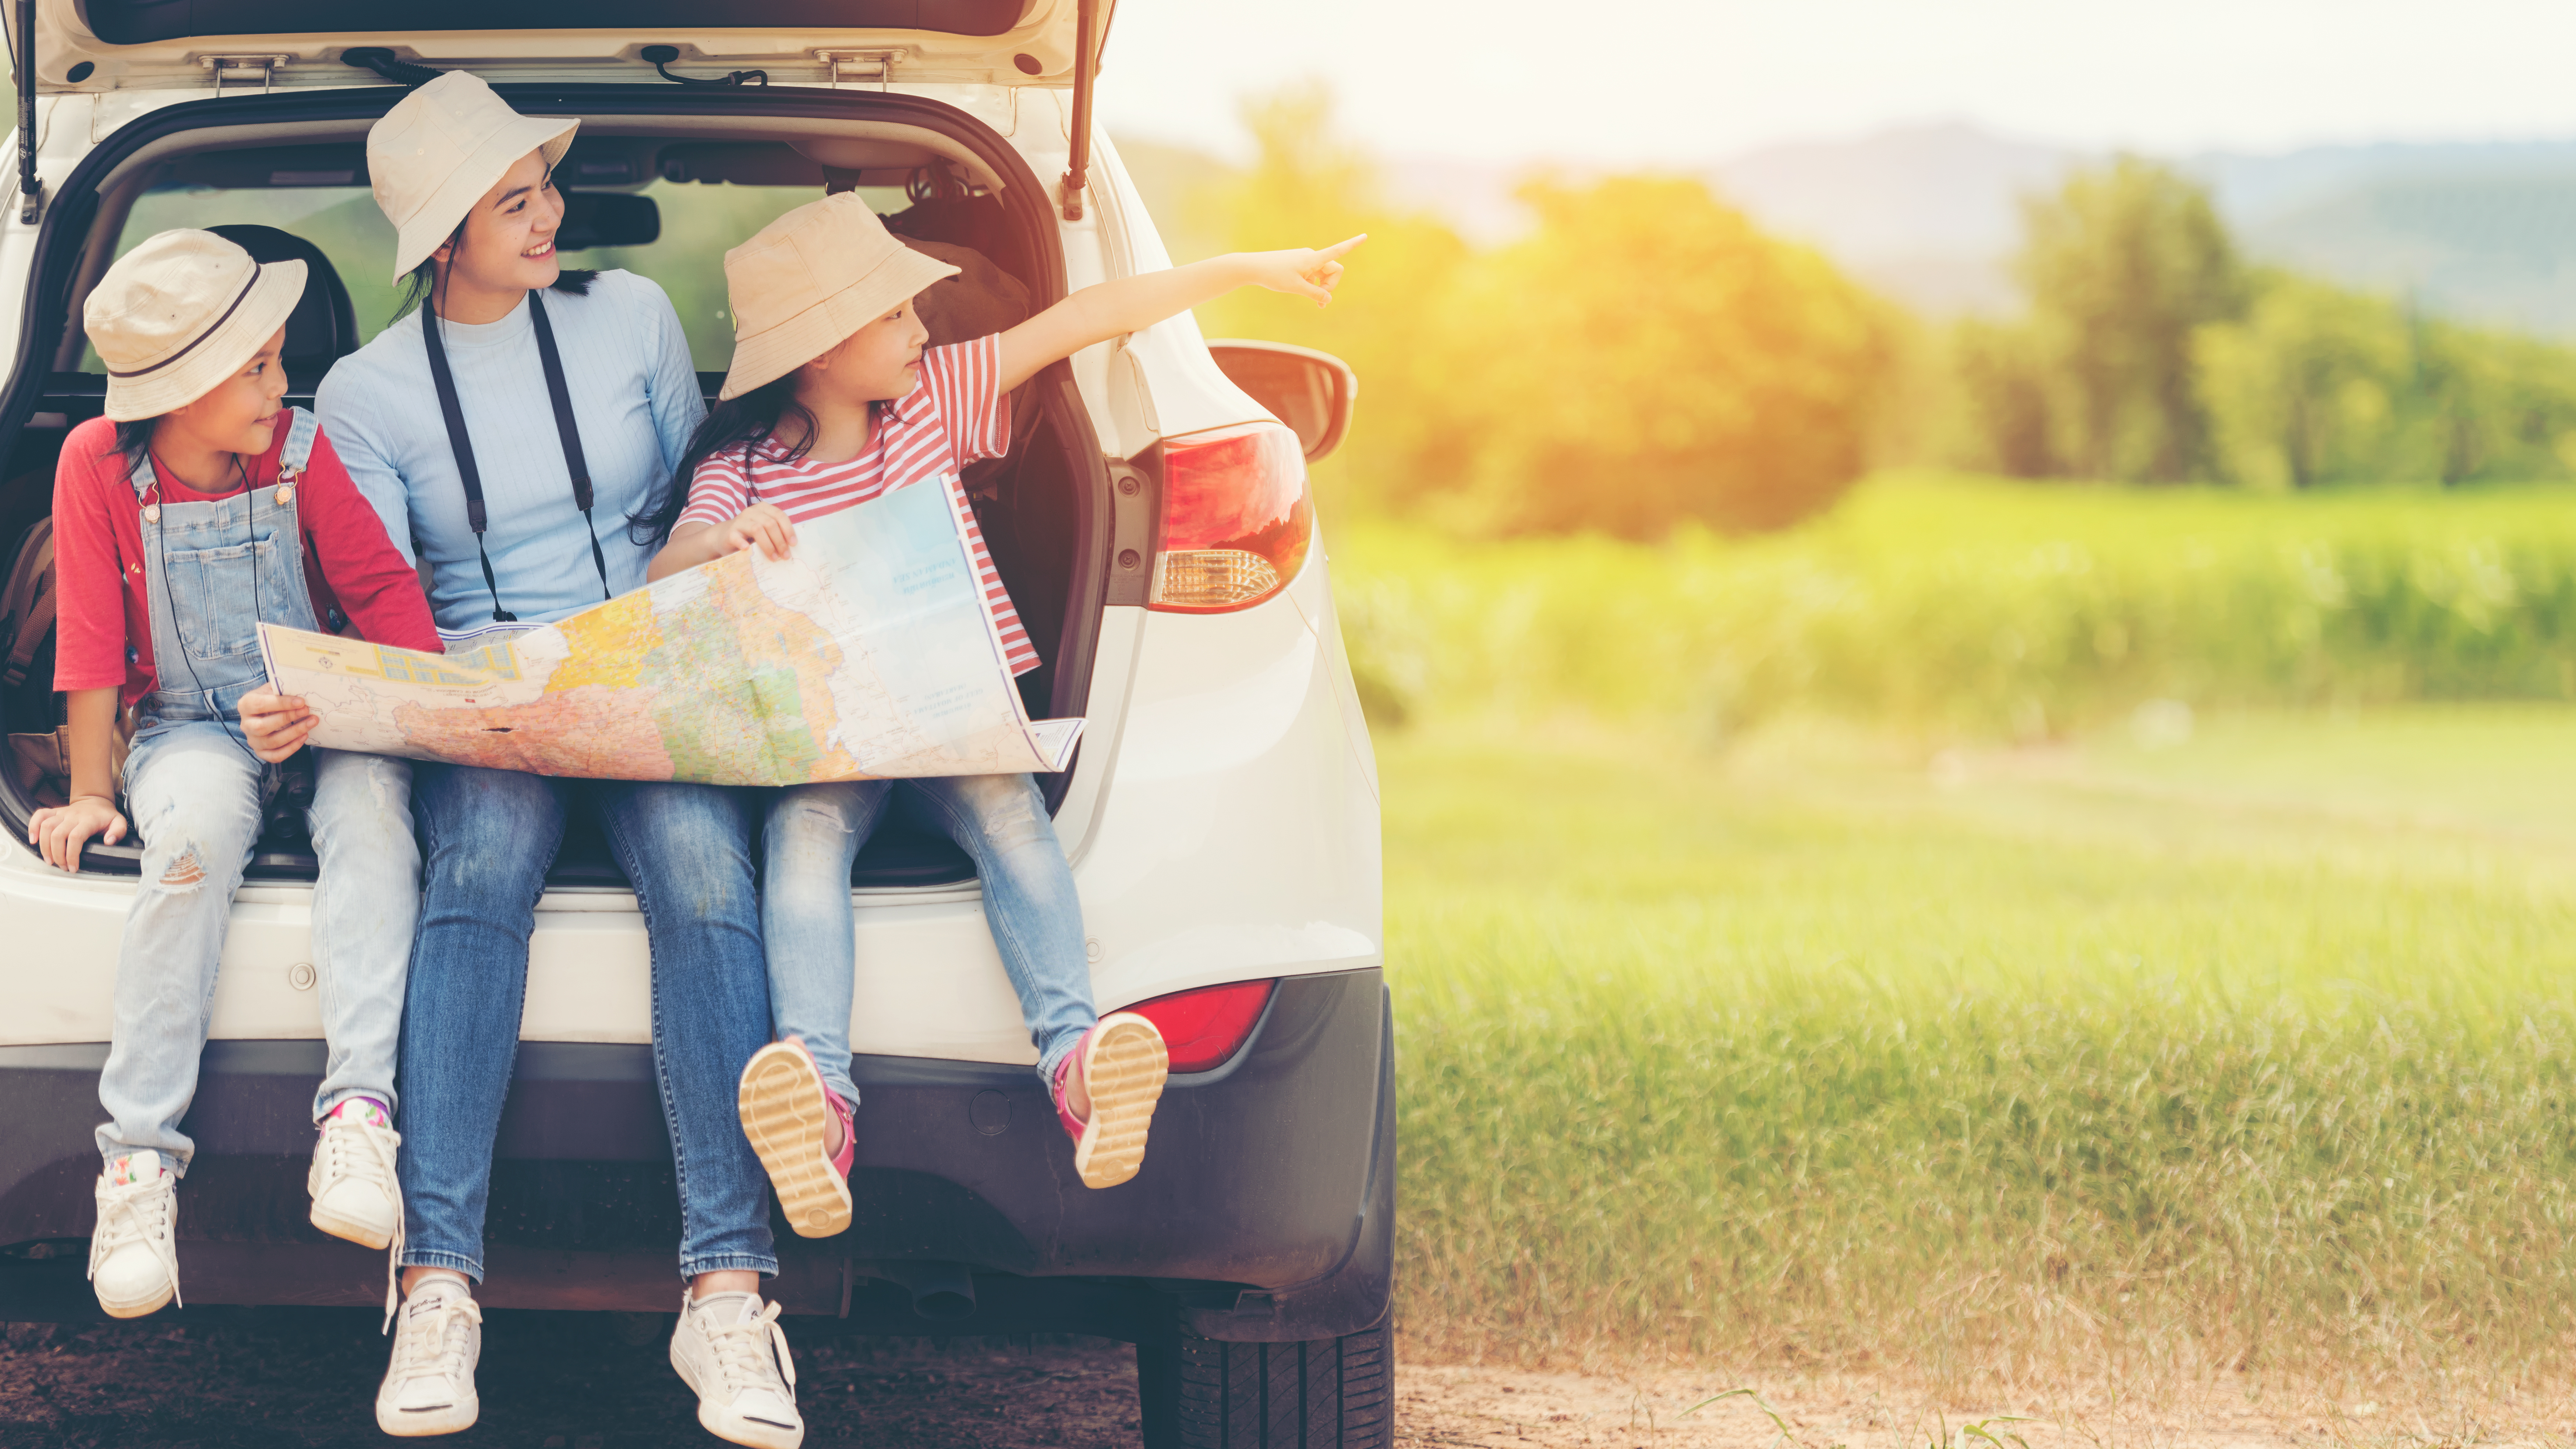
x,y
1341,249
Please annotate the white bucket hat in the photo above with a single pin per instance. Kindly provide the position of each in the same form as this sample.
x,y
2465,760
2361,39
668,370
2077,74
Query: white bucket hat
x,y
179,314
440,148
810,279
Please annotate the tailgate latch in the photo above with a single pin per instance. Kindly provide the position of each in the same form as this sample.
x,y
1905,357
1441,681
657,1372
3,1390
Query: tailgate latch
x,y
242,70
859,65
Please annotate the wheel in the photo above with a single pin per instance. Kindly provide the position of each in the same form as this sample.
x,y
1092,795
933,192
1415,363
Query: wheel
x,y
1327,1393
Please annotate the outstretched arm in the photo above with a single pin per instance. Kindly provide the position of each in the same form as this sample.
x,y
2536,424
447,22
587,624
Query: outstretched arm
x,y
1132,304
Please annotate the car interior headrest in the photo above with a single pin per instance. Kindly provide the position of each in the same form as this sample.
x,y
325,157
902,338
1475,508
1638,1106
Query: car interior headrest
x,y
324,326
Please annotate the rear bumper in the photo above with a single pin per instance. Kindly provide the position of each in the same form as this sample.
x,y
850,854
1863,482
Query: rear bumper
x,y
1264,1211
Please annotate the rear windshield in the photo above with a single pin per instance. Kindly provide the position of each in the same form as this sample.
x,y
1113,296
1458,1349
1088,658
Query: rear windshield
x,y
700,220
133,22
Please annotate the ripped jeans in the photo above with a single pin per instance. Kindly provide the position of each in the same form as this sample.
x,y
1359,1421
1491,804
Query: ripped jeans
x,y
814,832
195,796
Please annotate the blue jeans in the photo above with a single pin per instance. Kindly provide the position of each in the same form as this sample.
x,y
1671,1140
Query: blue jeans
x,y
488,837
1001,821
196,797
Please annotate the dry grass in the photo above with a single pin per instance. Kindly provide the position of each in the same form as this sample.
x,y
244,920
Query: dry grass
x,y
2026,1075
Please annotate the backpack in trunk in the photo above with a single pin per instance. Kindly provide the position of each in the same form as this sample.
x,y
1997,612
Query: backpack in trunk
x,y
27,602
39,761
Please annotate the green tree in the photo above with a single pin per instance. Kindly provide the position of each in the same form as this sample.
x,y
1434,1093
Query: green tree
x,y
2319,384
2312,385
1648,356
2121,265
2498,405
1309,187
2003,389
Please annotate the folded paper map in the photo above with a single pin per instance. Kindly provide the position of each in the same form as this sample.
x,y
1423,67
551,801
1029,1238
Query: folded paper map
x,y
870,651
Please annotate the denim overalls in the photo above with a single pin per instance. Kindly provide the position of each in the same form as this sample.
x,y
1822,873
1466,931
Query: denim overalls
x,y
194,793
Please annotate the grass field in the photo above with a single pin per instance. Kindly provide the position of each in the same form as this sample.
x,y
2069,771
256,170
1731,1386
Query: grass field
x,y
2249,1053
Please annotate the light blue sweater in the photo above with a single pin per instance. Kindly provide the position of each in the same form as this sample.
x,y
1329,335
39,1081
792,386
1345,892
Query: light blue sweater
x,y
634,393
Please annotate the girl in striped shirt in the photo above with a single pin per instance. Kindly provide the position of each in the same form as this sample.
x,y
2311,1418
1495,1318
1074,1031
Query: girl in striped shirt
x,y
832,400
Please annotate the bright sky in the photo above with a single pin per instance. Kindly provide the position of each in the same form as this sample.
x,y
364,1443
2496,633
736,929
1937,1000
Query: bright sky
x,y
1679,81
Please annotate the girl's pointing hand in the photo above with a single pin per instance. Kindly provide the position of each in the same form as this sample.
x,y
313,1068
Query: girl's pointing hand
x,y
1303,271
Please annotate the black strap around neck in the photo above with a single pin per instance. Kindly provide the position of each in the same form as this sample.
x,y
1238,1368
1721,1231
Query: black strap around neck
x,y
567,430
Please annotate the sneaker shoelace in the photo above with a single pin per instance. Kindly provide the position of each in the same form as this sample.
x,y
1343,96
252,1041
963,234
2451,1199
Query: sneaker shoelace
x,y
138,1212
751,1353
430,1343
364,1151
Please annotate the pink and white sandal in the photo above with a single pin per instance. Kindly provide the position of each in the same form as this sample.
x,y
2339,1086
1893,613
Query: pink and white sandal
x,y
1123,1064
786,1111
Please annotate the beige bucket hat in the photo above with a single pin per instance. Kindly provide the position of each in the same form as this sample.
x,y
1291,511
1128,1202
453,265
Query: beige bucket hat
x,y
810,279
179,314
440,148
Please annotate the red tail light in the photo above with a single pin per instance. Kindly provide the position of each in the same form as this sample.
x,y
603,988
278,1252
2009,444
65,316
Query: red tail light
x,y
1236,518
1203,1029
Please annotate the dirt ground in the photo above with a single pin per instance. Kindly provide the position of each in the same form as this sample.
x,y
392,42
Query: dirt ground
x,y
1490,1408
253,1380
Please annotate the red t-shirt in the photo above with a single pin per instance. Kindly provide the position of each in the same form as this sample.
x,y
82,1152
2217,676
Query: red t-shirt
x,y
103,623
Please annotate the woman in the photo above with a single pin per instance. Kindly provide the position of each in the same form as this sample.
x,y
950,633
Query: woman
x,y
563,401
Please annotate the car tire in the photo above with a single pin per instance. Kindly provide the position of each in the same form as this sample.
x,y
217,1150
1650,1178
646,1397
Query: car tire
x,y
1326,1393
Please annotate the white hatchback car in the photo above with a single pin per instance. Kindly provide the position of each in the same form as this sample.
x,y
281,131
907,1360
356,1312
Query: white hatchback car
x,y
1154,525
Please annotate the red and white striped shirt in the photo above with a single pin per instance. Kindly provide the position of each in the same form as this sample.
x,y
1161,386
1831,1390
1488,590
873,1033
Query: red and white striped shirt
x,y
953,416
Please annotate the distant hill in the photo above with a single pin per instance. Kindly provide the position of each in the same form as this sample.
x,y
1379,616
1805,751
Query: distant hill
x,y
2484,232
1930,214
2499,249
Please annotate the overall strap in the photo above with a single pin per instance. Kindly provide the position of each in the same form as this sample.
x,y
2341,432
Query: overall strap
x,y
301,429
144,479
568,431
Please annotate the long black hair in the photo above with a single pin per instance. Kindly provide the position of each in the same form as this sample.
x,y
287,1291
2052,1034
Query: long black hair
x,y
745,422
133,443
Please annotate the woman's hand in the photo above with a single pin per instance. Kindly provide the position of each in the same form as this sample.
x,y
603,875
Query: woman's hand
x,y
1301,271
59,832
762,524
274,723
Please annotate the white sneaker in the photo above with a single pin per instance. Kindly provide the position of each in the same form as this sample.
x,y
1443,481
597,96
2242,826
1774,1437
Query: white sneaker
x,y
355,1193
429,1386
133,1257
733,1353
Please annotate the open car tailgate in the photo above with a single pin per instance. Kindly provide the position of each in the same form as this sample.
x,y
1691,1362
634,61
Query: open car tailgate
x,y
184,44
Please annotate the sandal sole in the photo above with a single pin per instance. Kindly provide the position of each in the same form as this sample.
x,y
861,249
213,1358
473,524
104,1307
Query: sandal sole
x,y
1124,1072
785,1115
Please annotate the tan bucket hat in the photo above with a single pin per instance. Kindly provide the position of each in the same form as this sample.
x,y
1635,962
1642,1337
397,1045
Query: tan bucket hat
x,y
179,314
440,148
810,279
